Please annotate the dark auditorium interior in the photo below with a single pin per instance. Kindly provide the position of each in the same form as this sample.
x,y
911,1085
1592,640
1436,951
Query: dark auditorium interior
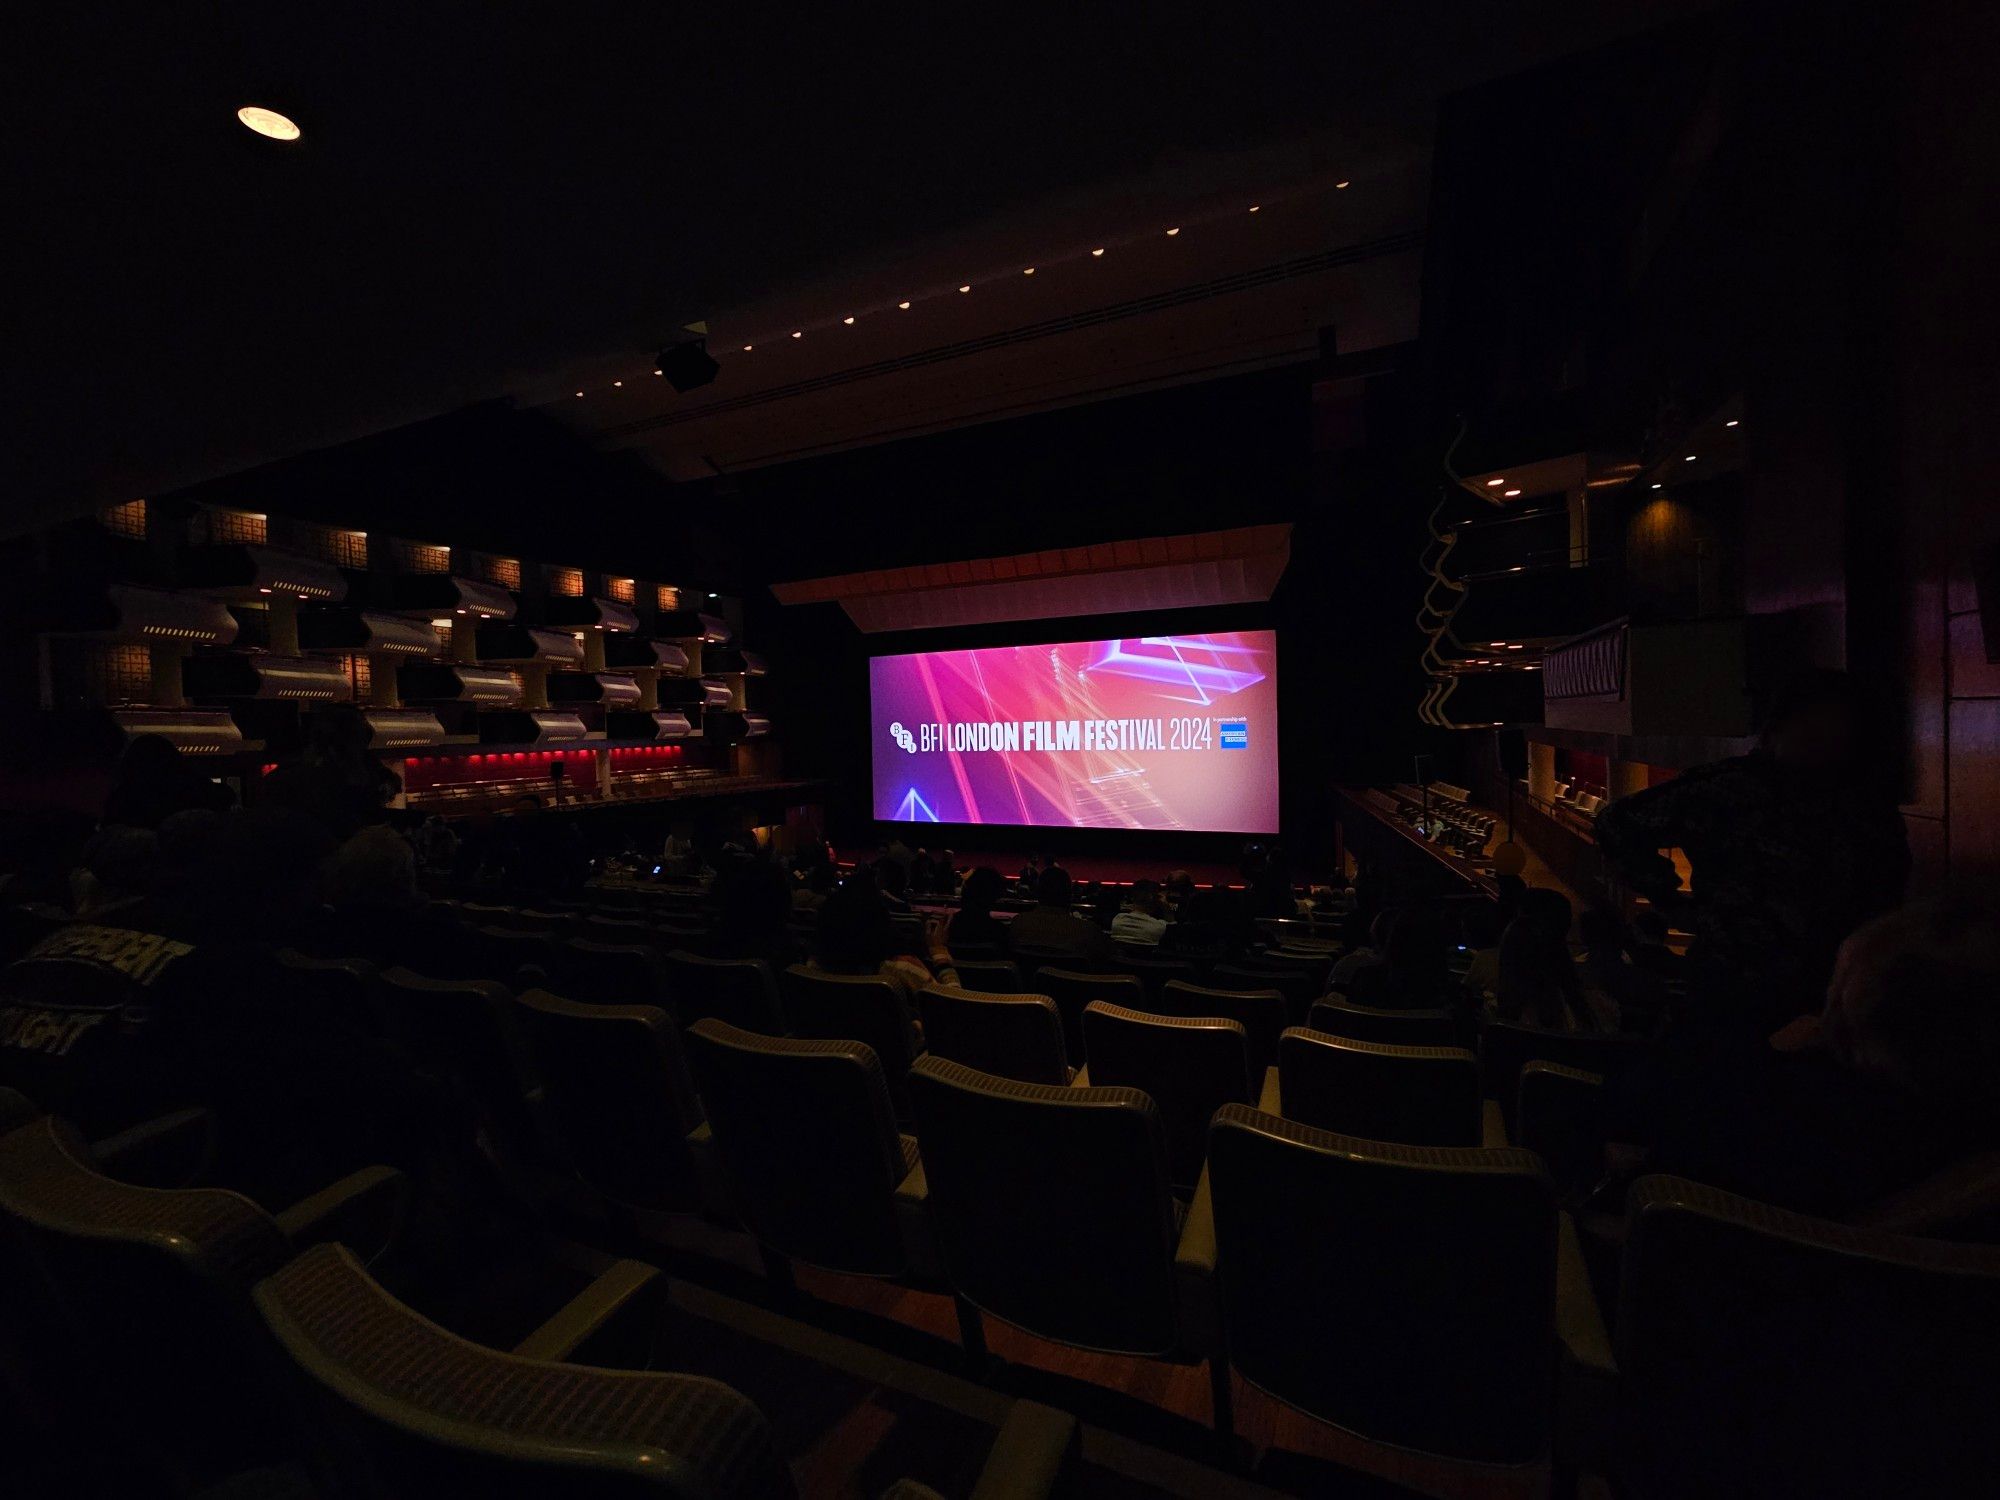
x,y
984,753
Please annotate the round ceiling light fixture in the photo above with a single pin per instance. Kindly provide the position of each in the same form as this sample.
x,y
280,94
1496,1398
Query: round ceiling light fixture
x,y
268,122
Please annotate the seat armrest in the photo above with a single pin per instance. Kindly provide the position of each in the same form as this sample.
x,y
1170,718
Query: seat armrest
x,y
363,1211
1081,1078
1492,1125
1587,1381
918,1234
712,1181
1194,1274
609,1299
1269,1099
169,1151
1028,1457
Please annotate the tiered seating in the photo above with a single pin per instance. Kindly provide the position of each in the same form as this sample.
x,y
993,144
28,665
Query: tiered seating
x,y
1189,1067
1011,1036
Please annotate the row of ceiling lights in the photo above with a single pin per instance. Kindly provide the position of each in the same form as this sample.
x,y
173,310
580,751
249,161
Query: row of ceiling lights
x,y
1097,253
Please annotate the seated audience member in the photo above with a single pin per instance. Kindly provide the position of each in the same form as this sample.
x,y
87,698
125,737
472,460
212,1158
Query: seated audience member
x,y
436,845
755,905
1621,995
1139,921
1890,1083
1538,980
920,873
974,924
155,781
1050,924
1268,887
542,855
376,909
678,855
1027,877
1483,929
892,880
1415,971
944,873
855,936
334,779
1361,954
899,852
1180,886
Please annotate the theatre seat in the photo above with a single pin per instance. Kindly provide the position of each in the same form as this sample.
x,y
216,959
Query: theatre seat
x,y
1188,1067
610,973
1505,1049
989,976
741,991
1013,1036
150,1288
341,994
620,1097
807,1136
1418,1096
858,1008
1408,1294
1152,971
1398,1028
1052,1207
1073,989
1559,1115
16,1110
412,1409
1261,1012
1297,985
467,1030
1762,1352
1025,1462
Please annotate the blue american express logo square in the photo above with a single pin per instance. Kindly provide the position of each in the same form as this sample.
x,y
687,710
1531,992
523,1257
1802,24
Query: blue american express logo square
x,y
1234,734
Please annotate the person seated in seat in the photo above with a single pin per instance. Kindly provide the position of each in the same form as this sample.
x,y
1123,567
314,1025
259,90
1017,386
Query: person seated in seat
x,y
1140,919
892,880
855,936
1539,984
1050,925
1415,972
1621,996
1483,930
974,924
375,908
944,873
155,781
755,908
1367,946
1890,1083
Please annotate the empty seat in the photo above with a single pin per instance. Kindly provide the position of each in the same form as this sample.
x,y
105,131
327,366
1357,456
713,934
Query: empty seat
x,y
1188,1067
620,1096
1761,1352
1073,989
857,1008
1297,985
1404,1293
741,991
1014,1036
1052,1207
807,1135
1419,1096
996,976
1559,1115
1505,1049
414,1409
610,973
1261,1011
1398,1028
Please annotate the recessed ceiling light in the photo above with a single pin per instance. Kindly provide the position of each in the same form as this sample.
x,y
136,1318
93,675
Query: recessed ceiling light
x,y
1510,494
904,305
1098,251
1255,206
1659,486
268,122
662,372
966,288
1341,184
848,319
1027,270
1492,484
1515,647
617,382
579,393
1691,457
440,624
798,333
1732,422
1174,231
746,349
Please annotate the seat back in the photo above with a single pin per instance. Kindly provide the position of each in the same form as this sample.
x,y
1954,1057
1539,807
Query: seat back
x,y
149,1288
1073,989
1418,1096
413,1409
620,1096
340,994
1033,956
1013,1036
1189,1067
1052,1206
1560,1117
1261,1012
1296,984
989,976
468,1031
741,991
1761,1352
1404,1293
858,1008
808,1136
1153,972
508,955
610,973
1398,1028
1505,1049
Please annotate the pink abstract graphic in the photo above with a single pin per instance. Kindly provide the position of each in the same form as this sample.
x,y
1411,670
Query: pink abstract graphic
x,y
1166,731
